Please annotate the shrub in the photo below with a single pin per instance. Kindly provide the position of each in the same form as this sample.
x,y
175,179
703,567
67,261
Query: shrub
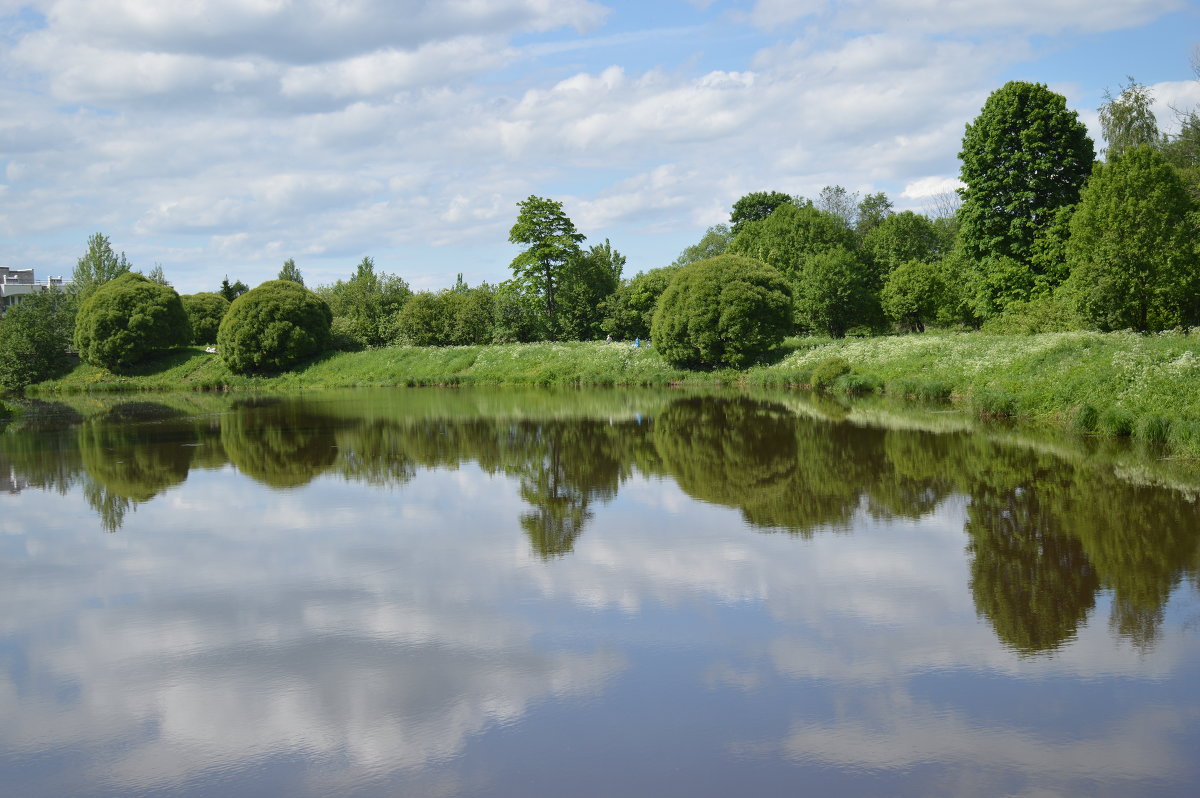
x,y
273,326
34,337
204,312
919,389
827,371
994,404
724,311
1116,421
1085,418
858,384
128,318
1154,429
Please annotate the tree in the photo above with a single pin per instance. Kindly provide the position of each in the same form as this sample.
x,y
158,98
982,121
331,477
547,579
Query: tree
x,y
872,211
157,275
898,239
913,294
232,291
553,243
273,327
425,319
205,311
725,311
791,235
714,242
97,266
291,272
365,306
1128,120
1023,157
1132,249
591,278
841,203
34,337
126,319
755,207
630,310
834,293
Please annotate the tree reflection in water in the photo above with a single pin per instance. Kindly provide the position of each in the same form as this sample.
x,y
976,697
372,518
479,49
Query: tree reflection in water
x,y
1045,532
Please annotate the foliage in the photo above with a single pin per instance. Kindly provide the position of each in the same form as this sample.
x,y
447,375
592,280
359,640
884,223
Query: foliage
x,y
1048,313
273,327
552,245
232,291
997,282
472,313
125,319
365,306
157,275
518,316
828,370
791,235
834,293
35,335
714,242
872,211
1023,157
630,310
900,238
839,202
204,311
725,311
590,278
291,272
1128,120
1132,248
424,320
913,294
754,207
97,266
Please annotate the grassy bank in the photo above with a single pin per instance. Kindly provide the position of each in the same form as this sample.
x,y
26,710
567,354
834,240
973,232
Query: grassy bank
x,y
1119,384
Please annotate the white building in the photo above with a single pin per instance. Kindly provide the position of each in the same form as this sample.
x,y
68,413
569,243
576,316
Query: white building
x,y
16,284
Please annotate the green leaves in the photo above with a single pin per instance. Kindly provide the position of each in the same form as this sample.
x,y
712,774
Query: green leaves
x,y
552,243
125,319
273,327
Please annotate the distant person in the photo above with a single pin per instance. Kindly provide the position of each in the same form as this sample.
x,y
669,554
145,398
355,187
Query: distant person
x,y
637,343
608,338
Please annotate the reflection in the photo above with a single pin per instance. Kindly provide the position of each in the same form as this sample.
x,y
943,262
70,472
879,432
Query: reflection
x,y
131,453
278,443
1047,527
1031,580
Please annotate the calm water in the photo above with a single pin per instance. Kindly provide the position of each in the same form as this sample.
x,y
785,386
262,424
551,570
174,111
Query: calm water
x,y
489,593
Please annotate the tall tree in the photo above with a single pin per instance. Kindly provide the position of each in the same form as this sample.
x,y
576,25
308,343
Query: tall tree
x,y
840,202
553,243
365,306
1024,156
591,278
1132,250
291,272
232,291
715,241
97,266
755,207
1128,120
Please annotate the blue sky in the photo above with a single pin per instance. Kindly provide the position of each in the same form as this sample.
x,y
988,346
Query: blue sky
x,y
222,136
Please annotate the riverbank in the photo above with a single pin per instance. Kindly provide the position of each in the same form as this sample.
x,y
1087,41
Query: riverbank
x,y
1118,384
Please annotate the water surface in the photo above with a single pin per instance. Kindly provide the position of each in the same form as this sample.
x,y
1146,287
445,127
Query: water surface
x,y
506,593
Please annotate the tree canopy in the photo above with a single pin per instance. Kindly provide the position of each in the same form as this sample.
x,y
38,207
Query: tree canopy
x,y
97,266
1023,157
552,243
125,319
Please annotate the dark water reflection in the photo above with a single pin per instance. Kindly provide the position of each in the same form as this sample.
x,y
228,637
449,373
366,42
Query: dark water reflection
x,y
506,593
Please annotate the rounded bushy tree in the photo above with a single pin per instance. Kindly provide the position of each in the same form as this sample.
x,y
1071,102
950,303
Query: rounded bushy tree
x,y
204,312
273,326
125,319
724,311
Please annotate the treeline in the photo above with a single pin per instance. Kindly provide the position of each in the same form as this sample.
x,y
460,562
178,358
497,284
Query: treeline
x,y
1043,237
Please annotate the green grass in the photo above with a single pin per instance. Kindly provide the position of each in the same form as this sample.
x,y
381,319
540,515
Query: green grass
x,y
1117,384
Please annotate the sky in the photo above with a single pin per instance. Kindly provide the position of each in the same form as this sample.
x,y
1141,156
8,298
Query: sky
x,y
220,137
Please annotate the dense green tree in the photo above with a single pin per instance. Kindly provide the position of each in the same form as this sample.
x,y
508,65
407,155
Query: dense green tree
x,y
97,266
273,327
232,291
872,211
35,335
157,275
1132,250
755,207
127,318
1128,120
995,283
365,306
590,279
1024,156
291,272
472,313
630,310
897,239
205,311
791,235
518,315
724,311
834,293
913,294
714,242
552,245
425,320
